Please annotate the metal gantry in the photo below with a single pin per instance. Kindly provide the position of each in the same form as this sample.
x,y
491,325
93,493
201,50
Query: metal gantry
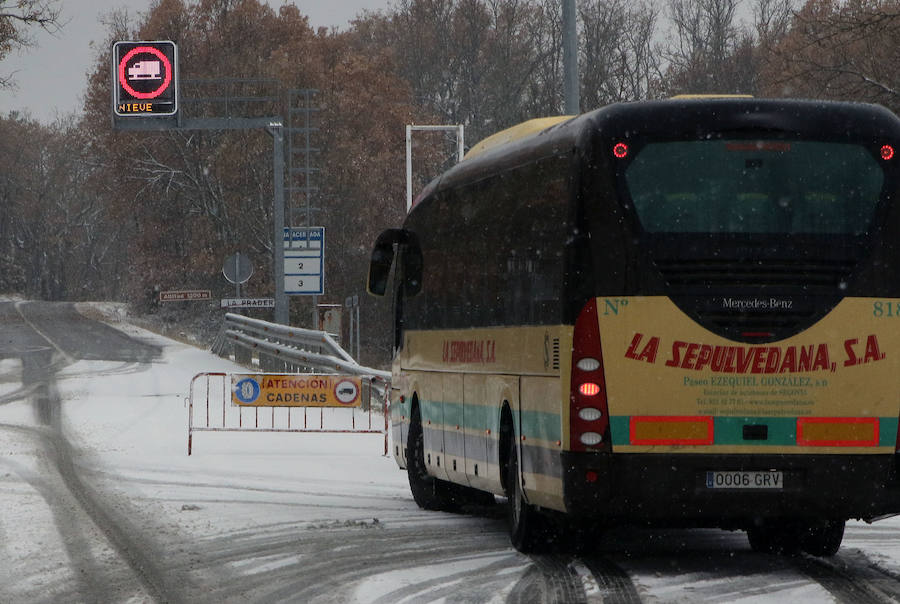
x,y
229,104
301,185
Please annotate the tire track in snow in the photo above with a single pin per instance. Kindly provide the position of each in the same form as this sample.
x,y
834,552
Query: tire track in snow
x,y
66,494
852,578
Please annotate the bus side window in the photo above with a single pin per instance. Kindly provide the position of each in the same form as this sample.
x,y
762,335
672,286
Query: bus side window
x,y
412,267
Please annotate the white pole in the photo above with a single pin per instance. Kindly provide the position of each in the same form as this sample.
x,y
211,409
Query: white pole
x,y
460,152
408,168
358,353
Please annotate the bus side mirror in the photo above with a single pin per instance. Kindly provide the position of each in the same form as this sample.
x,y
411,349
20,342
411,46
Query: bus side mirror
x,y
383,258
380,264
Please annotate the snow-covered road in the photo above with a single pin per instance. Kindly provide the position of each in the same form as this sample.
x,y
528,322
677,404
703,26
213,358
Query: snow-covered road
x,y
104,504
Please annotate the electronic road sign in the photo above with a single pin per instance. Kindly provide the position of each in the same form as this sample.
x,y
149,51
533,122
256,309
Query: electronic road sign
x,y
145,78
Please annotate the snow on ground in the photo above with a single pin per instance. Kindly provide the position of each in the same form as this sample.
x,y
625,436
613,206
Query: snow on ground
x,y
134,423
130,422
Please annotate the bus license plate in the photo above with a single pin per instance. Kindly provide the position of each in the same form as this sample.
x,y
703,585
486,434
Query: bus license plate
x,y
744,480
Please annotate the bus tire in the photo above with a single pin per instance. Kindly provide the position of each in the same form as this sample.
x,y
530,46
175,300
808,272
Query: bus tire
x,y
529,530
427,491
823,538
775,538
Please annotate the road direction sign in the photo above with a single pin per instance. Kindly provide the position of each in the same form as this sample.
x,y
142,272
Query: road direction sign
x,y
185,295
248,302
304,261
145,78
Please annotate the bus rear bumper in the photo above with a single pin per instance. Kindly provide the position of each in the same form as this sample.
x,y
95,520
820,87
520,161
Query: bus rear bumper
x,y
675,489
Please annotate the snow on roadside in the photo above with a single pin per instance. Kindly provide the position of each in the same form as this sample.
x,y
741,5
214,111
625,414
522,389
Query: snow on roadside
x,y
132,421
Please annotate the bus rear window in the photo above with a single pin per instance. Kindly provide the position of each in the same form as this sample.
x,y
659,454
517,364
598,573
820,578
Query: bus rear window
x,y
754,186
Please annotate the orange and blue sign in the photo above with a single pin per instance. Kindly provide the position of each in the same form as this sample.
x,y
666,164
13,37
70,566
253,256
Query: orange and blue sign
x,y
292,390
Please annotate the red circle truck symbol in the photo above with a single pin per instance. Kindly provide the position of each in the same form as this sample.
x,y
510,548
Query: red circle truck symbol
x,y
157,67
346,392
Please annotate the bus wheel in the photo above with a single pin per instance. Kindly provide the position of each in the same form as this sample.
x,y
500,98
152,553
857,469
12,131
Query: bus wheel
x,y
822,539
427,491
775,538
529,530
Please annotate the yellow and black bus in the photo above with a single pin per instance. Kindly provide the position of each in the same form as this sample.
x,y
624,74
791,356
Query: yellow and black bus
x,y
684,312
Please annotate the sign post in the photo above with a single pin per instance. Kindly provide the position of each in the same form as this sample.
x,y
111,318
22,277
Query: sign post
x,y
352,305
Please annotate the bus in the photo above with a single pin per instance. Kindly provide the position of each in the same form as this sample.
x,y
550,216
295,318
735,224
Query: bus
x,y
682,312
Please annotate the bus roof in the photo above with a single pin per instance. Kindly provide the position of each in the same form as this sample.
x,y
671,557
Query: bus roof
x,y
515,133
687,115
538,125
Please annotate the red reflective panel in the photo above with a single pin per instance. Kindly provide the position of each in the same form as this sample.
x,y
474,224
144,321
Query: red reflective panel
x,y
887,152
620,150
589,389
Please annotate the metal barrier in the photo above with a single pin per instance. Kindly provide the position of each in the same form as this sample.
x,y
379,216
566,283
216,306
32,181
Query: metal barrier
x,y
290,347
218,401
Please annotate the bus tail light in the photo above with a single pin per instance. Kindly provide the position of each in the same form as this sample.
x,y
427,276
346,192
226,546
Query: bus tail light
x,y
588,411
589,389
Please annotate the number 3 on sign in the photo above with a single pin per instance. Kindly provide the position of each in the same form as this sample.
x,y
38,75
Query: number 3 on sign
x,y
303,284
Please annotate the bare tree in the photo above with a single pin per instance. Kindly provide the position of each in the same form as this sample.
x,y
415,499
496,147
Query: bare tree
x,y
487,64
618,59
58,239
709,52
772,20
16,18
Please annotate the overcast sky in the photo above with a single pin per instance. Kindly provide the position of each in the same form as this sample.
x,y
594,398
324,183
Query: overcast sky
x,y
51,77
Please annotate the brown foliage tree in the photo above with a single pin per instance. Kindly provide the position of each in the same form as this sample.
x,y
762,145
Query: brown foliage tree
x,y
193,197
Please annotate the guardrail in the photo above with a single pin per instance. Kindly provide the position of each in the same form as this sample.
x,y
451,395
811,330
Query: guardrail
x,y
289,348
